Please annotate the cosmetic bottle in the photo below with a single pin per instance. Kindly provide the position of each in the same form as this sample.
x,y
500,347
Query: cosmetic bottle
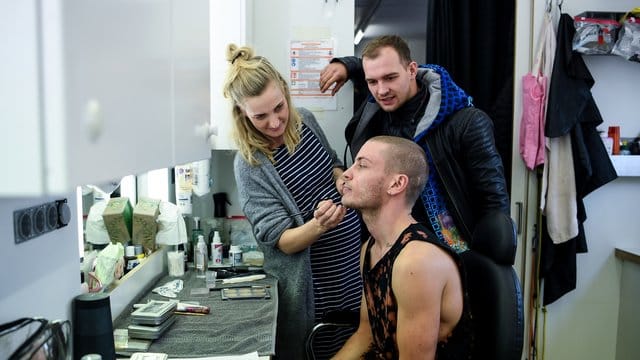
x,y
195,232
201,258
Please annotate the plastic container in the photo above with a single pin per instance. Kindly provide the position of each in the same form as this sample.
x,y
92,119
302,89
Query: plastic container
x,y
130,258
608,143
614,133
200,257
216,249
196,231
235,255
175,261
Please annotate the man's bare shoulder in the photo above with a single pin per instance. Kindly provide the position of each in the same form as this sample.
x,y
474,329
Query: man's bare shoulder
x,y
423,256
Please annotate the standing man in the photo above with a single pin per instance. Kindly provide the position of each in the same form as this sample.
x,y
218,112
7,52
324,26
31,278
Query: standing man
x,y
413,304
425,105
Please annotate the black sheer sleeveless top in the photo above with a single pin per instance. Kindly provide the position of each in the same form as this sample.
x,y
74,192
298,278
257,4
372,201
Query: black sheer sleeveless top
x,y
382,307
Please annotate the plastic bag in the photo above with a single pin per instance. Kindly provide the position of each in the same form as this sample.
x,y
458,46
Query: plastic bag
x,y
110,264
171,227
596,32
95,230
628,44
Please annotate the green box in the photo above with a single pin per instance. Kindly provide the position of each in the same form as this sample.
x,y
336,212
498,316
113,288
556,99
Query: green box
x,y
145,225
117,219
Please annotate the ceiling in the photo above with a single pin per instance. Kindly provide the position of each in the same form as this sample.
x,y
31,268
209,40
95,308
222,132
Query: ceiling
x,y
406,18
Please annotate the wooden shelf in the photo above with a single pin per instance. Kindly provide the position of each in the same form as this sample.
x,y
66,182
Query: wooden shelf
x,y
626,165
628,254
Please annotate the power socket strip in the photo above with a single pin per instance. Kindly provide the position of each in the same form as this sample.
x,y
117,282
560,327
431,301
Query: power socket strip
x,y
40,219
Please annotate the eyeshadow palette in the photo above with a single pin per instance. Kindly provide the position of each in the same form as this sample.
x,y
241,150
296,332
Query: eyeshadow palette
x,y
154,312
247,292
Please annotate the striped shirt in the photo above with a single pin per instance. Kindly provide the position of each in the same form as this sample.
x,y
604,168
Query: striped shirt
x,y
308,175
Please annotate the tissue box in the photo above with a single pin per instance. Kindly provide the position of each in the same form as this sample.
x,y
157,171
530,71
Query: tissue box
x,y
117,220
145,226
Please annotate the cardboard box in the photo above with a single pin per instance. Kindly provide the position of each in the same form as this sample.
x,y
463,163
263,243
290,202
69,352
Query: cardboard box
x,y
145,225
117,220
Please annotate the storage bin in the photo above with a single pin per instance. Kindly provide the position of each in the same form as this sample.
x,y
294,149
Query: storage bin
x,y
596,31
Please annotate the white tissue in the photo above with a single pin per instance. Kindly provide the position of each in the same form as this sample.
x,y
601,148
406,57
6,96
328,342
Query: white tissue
x,y
171,227
170,289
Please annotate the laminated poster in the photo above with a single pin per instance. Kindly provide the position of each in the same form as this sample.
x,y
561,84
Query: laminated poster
x,y
306,61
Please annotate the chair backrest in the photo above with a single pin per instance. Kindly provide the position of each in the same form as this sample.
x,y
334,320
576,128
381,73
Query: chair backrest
x,y
342,323
495,296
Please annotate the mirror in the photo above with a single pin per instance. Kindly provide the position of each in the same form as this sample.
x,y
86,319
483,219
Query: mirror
x,y
93,236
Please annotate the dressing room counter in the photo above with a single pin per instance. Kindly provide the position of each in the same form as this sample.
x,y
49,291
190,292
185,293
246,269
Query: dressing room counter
x,y
232,327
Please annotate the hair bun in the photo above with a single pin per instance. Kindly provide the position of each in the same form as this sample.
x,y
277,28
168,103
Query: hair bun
x,y
234,53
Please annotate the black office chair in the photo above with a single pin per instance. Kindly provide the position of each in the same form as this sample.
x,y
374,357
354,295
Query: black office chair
x,y
332,320
495,296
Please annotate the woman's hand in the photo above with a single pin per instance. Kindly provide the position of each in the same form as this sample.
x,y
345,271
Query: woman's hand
x,y
328,215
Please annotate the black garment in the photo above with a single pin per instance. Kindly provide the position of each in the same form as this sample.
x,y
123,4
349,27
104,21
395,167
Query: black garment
x,y
383,308
484,32
572,110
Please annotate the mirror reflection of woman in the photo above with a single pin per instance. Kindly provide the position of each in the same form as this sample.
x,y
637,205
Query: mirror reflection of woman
x,y
285,166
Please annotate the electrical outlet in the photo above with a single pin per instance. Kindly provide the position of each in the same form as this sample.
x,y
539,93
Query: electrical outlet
x,y
40,219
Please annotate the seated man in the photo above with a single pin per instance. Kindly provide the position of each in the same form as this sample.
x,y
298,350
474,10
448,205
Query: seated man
x,y
414,303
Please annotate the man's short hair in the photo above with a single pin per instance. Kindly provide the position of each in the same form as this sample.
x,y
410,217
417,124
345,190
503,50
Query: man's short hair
x,y
372,49
406,157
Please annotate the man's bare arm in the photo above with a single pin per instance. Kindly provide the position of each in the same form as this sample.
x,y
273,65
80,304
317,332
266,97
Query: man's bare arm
x,y
418,283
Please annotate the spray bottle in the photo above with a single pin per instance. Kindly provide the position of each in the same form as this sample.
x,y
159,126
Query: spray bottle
x,y
216,249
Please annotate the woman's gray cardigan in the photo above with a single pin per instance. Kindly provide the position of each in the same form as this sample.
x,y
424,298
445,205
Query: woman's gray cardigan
x,y
267,203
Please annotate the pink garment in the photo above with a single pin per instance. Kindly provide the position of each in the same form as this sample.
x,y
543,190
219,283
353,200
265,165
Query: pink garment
x,y
534,97
532,142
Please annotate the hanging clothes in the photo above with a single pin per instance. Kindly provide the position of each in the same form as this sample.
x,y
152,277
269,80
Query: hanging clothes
x,y
572,113
535,87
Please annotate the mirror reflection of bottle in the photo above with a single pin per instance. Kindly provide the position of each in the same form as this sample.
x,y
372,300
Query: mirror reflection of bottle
x,y
195,232
200,257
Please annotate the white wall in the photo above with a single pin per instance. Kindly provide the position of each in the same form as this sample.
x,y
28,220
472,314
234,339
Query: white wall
x,y
304,20
583,323
40,277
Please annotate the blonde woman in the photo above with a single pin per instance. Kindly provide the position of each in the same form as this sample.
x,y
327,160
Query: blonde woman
x,y
285,166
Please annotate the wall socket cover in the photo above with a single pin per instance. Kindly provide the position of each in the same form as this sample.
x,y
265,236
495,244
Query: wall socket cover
x,y
40,219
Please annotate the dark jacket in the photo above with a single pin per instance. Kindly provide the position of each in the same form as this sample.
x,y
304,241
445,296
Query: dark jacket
x,y
462,148
572,110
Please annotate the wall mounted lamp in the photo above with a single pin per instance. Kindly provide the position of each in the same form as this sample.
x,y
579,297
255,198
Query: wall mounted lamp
x,y
358,37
